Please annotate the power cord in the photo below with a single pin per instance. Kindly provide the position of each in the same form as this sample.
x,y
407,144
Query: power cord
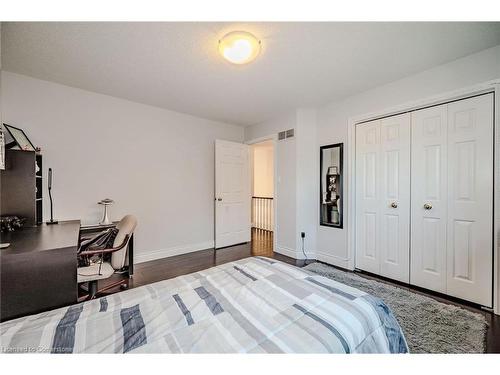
x,y
303,236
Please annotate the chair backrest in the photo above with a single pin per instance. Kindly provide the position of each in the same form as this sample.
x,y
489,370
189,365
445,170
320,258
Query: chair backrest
x,y
125,227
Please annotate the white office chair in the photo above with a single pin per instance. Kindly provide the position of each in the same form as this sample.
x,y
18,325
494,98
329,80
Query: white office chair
x,y
103,270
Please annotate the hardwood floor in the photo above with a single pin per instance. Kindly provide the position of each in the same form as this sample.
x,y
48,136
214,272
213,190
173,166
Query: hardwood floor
x,y
167,268
262,245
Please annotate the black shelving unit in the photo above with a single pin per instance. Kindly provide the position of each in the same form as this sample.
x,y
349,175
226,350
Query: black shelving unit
x,y
22,186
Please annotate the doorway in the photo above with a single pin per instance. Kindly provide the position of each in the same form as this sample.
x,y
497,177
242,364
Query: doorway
x,y
262,188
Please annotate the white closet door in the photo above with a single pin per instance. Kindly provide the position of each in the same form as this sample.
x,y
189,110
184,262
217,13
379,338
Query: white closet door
x,y
429,198
368,196
383,197
470,199
394,180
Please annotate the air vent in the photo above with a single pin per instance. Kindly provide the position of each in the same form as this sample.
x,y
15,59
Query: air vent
x,y
286,134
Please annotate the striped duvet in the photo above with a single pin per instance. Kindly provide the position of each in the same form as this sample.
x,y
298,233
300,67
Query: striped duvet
x,y
254,305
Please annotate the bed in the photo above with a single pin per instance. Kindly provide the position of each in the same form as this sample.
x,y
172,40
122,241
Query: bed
x,y
254,305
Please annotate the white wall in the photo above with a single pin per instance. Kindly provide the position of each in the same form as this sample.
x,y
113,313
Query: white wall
x,y
285,199
1,113
333,120
271,127
327,243
307,181
263,169
297,173
156,164
286,184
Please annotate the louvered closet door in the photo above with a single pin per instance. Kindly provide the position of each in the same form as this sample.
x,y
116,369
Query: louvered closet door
x,y
470,199
394,183
368,196
429,198
383,196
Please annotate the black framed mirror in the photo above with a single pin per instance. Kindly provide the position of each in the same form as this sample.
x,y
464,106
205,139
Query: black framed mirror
x,y
331,184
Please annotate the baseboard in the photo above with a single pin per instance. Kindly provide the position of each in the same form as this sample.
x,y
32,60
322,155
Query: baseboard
x,y
322,257
172,251
333,260
289,252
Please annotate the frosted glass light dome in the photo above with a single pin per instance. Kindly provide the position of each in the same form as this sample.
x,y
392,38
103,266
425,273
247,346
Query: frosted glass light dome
x,y
239,47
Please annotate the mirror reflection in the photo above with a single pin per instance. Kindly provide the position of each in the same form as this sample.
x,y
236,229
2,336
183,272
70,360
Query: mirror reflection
x,y
331,185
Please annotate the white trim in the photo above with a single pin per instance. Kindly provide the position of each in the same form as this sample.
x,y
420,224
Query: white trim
x,y
172,251
333,260
274,139
271,137
351,196
496,197
289,252
490,86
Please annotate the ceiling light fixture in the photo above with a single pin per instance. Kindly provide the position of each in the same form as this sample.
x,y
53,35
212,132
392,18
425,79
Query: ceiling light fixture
x,y
239,47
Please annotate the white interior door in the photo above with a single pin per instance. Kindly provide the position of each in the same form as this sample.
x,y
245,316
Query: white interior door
x,y
383,197
429,197
395,197
232,194
368,196
470,199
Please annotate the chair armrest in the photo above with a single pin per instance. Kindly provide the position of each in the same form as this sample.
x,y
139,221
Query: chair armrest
x,y
107,251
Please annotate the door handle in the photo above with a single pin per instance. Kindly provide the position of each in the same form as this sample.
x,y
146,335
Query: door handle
x,y
394,204
219,199
428,206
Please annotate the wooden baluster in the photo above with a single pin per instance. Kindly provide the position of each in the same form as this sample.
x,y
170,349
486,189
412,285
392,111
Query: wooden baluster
x,y
261,214
267,214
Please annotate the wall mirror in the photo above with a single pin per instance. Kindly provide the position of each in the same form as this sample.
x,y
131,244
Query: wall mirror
x,y
331,178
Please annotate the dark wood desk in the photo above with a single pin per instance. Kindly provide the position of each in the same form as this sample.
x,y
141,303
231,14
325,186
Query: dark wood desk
x,y
38,270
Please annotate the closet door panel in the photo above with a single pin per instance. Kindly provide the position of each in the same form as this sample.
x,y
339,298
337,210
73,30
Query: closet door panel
x,y
428,201
367,196
394,180
470,199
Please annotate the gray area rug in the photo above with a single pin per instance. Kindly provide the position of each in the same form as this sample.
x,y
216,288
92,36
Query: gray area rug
x,y
429,326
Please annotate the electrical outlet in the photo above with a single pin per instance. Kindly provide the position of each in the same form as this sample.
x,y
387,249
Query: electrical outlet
x,y
303,234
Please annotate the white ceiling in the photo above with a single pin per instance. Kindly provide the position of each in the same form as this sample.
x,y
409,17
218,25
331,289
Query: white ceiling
x,y
177,65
